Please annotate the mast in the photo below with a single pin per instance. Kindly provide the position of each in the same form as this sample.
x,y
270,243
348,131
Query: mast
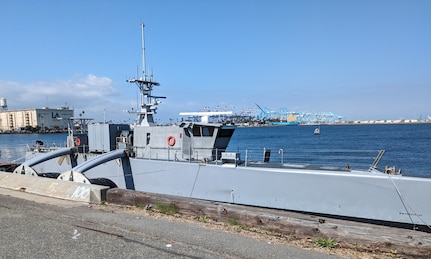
x,y
144,68
148,101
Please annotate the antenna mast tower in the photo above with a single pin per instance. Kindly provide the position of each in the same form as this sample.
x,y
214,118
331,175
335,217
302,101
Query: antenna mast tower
x,y
148,102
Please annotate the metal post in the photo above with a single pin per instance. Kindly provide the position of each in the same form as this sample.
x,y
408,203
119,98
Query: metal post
x,y
216,156
281,151
246,157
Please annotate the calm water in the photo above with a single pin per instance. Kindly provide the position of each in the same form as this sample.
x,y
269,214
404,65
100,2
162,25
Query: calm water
x,y
407,146
14,146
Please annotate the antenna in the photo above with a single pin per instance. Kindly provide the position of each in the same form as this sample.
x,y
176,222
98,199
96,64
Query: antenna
x,y
148,102
143,53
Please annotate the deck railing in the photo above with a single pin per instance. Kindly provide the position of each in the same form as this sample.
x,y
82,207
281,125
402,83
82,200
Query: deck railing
x,y
340,158
337,158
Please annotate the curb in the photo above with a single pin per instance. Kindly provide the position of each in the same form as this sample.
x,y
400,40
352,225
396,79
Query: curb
x,y
53,188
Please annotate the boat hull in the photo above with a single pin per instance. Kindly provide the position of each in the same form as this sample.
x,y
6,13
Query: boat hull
x,y
353,194
375,197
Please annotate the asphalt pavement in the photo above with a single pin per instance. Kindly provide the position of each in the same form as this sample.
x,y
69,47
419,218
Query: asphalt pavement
x,y
33,226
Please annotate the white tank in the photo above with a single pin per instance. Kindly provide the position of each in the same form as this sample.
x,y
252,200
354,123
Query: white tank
x,y
3,103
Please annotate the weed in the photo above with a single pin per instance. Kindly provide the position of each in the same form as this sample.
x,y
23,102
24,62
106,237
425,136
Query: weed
x,y
234,222
328,243
169,208
204,219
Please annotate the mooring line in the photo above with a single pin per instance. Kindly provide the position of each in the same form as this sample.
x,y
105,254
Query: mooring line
x,y
405,205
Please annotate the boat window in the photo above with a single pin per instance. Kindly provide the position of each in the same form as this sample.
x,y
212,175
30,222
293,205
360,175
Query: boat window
x,y
196,131
203,131
207,131
225,132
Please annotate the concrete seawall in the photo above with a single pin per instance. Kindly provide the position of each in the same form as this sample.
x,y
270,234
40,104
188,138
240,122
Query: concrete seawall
x,y
53,188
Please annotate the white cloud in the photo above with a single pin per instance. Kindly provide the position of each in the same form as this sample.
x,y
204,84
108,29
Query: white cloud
x,y
95,95
97,81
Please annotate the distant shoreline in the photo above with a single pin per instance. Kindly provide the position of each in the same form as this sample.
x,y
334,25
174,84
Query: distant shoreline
x,y
370,123
337,124
244,125
33,132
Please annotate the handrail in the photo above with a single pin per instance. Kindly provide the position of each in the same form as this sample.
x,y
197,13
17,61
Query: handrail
x,y
377,159
342,158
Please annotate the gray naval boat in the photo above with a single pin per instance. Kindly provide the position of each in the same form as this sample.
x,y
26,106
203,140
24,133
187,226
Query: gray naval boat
x,y
190,160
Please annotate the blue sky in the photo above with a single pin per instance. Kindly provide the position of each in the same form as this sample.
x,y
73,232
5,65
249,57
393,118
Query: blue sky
x,y
362,60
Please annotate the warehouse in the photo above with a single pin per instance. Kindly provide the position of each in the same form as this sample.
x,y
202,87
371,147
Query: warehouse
x,y
42,119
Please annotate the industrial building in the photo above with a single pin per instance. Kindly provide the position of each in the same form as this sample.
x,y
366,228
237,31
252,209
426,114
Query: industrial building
x,y
42,118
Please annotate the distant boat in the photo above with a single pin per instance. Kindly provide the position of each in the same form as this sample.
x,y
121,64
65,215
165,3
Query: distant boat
x,y
317,131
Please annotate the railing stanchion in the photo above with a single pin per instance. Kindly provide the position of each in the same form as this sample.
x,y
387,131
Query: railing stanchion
x,y
281,151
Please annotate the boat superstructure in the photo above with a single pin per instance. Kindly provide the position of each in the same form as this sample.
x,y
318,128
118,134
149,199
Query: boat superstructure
x,y
190,160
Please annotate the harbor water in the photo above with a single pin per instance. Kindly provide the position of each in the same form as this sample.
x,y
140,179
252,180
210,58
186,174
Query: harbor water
x,y
407,146
14,146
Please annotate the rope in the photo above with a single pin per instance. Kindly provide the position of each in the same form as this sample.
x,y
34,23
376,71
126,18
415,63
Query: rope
x,y
194,183
405,205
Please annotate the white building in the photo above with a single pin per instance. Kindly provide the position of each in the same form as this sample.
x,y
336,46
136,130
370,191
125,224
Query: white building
x,y
45,118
